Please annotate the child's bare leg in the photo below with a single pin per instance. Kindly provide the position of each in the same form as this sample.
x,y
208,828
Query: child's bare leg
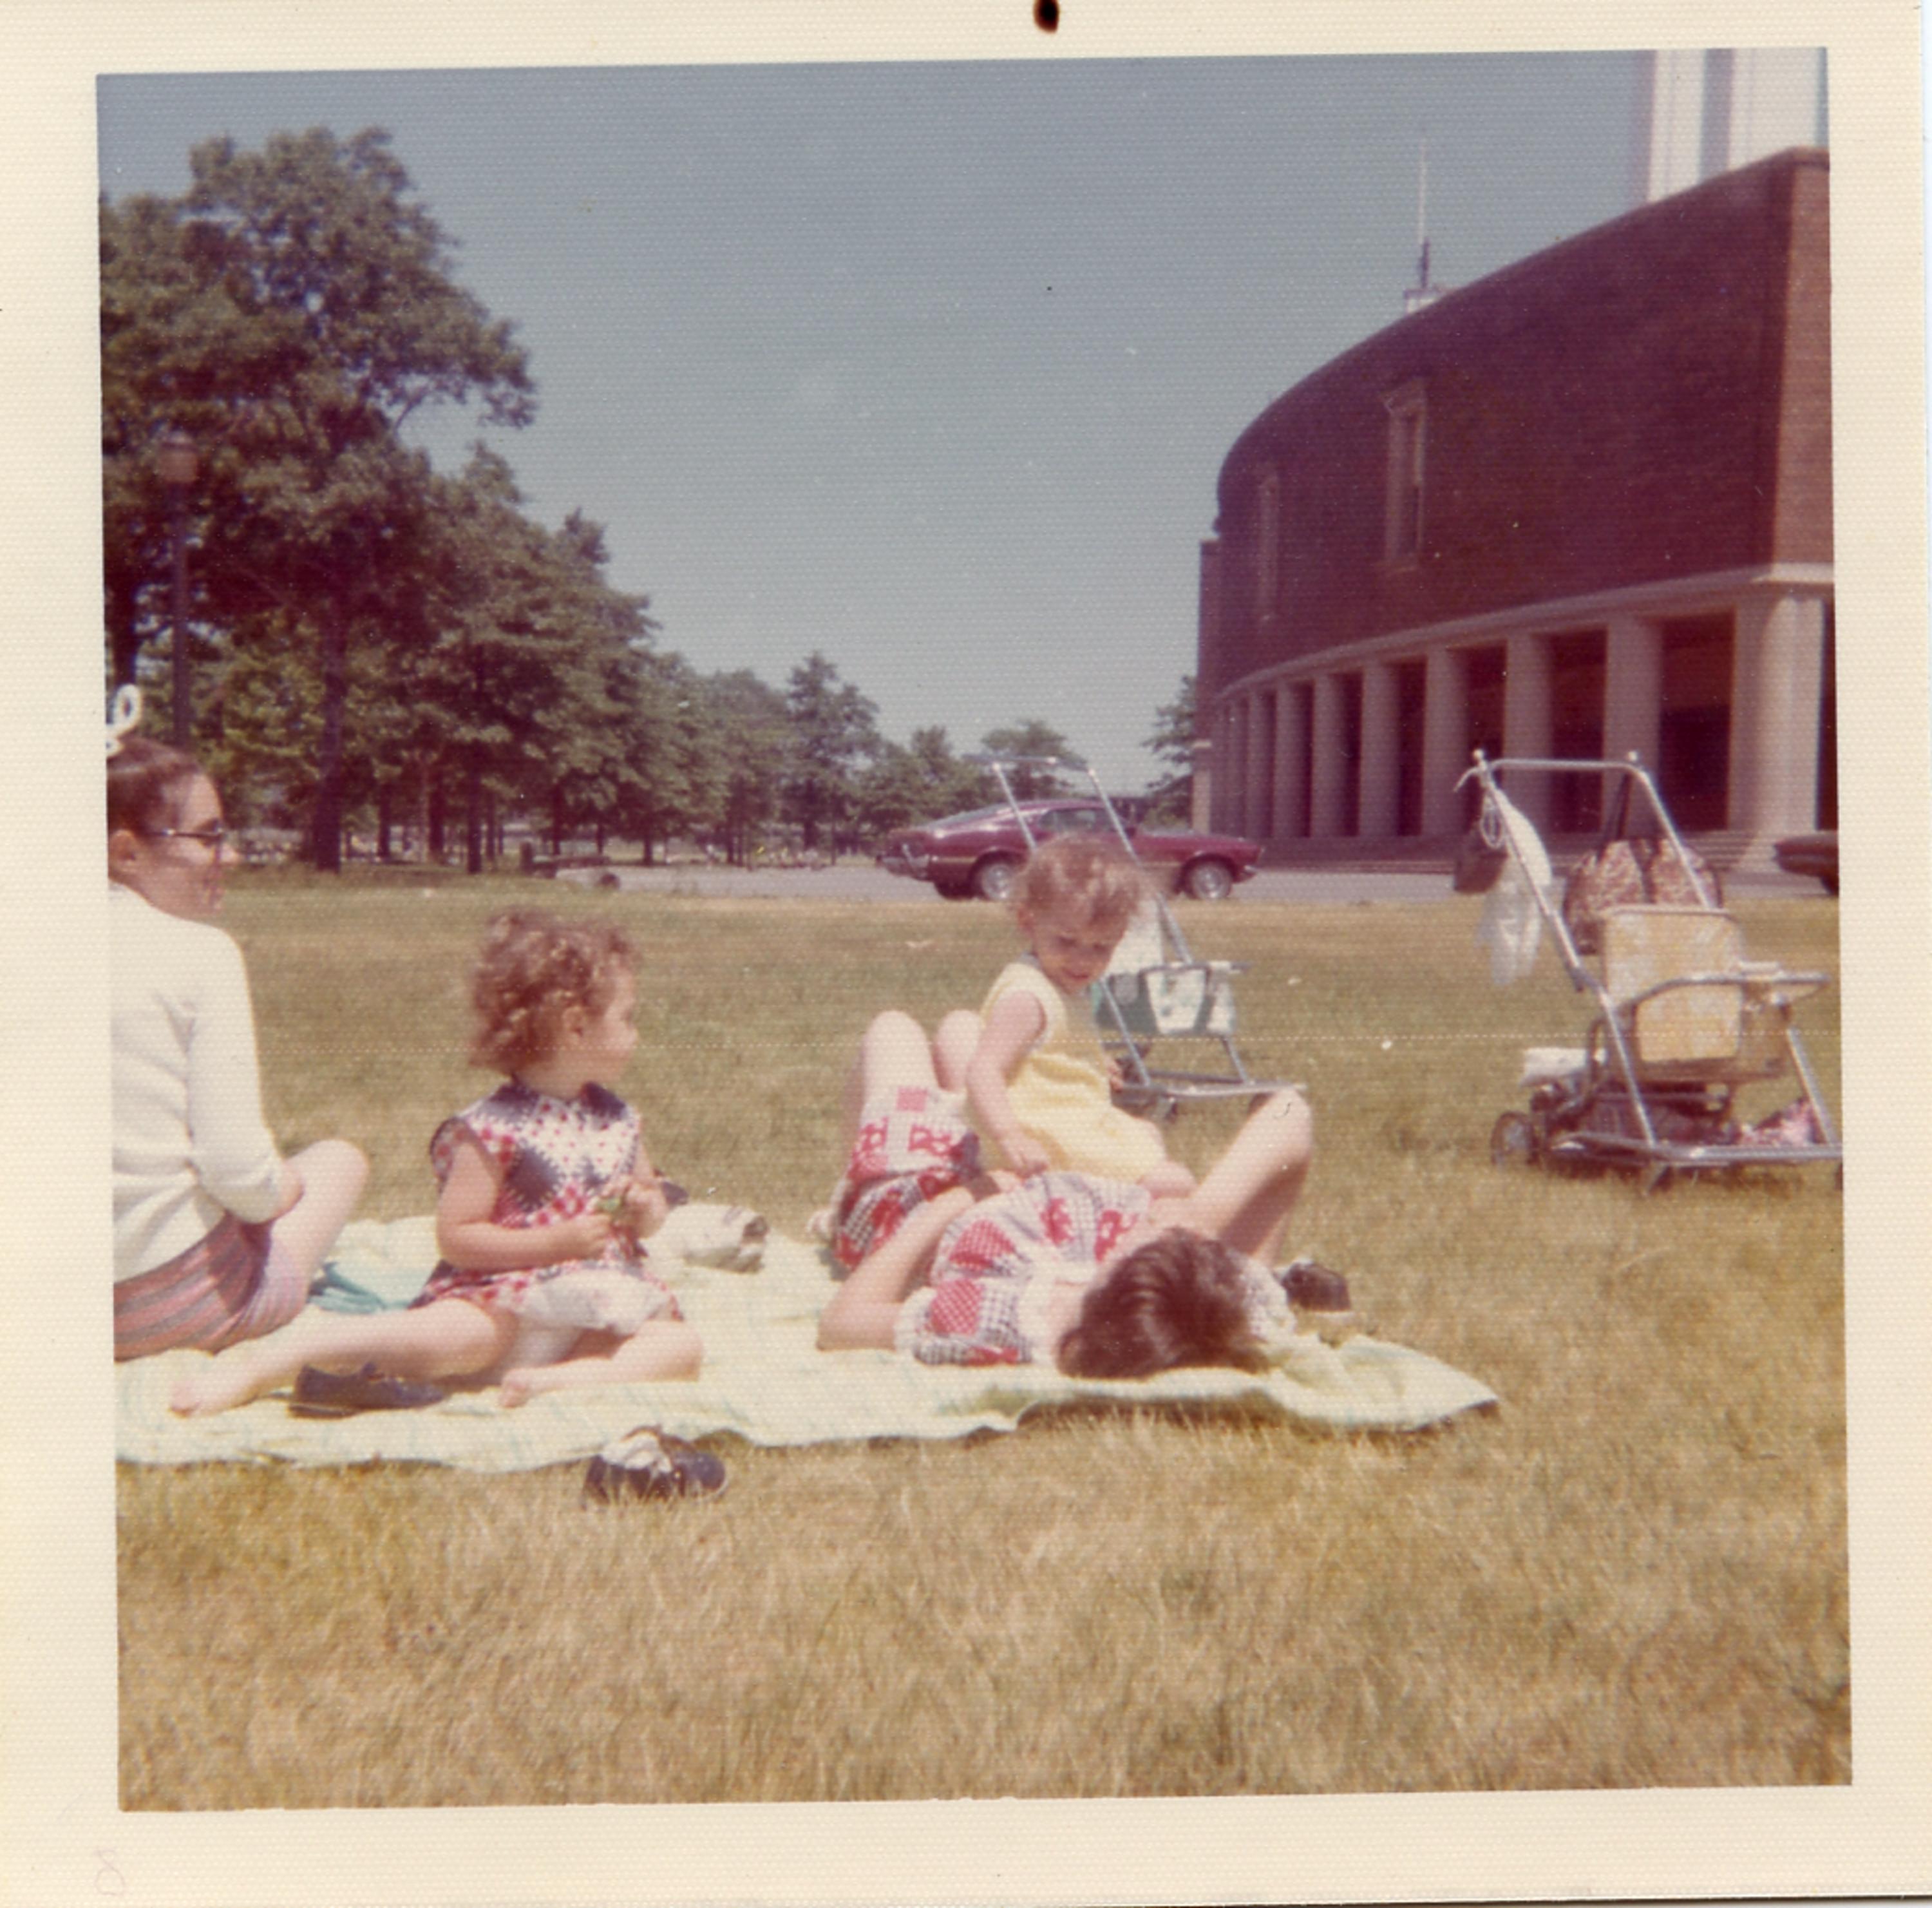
x,y
1170,1180
953,1046
333,1174
448,1339
665,1348
1251,1190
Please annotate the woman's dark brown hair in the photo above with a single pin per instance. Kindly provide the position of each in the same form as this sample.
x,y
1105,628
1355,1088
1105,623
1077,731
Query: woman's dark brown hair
x,y
1178,1300
145,782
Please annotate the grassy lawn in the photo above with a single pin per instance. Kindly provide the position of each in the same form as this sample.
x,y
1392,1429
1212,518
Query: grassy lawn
x,y
1634,1574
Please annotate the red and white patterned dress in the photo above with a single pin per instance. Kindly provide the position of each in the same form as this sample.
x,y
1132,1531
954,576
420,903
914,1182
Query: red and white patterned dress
x,y
557,1158
995,1267
914,1143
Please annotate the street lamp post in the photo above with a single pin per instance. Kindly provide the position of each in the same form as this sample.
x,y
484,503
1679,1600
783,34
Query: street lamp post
x,y
179,467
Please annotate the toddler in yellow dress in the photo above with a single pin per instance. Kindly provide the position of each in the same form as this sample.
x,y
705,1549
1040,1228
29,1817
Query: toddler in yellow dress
x,y
1040,1082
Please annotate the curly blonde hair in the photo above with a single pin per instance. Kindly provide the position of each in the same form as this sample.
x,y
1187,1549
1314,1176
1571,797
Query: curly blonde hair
x,y
1086,873
532,968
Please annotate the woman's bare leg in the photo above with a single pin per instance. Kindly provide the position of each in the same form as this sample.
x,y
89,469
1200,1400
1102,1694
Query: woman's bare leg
x,y
892,1052
1250,1190
333,1174
451,1339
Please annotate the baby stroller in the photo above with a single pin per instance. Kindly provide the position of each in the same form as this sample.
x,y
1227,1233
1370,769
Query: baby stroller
x,y
1682,1020
1154,989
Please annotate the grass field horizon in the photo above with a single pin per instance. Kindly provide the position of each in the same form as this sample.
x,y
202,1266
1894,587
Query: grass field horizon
x,y
1633,1574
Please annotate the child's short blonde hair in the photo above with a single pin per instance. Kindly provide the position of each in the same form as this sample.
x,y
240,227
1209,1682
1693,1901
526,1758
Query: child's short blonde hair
x,y
1086,874
532,968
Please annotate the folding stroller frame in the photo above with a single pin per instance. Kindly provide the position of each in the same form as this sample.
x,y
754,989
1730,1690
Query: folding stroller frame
x,y
1154,989
1682,1021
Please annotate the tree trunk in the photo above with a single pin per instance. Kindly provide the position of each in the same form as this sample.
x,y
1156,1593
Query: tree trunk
x,y
124,629
472,818
436,815
326,822
385,813
555,823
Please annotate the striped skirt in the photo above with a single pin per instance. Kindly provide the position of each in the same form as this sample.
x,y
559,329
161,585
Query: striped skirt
x,y
233,1284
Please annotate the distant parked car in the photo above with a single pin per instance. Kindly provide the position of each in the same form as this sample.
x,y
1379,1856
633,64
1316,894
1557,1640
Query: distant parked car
x,y
978,852
1810,854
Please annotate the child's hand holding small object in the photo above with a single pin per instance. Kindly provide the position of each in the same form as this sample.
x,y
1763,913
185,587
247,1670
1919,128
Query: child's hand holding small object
x,y
636,1206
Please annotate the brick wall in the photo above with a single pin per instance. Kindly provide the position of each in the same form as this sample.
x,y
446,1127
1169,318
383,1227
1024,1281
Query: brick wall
x,y
1651,399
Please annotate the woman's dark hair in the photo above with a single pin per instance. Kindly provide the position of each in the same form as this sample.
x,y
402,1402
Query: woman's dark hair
x,y
1178,1300
146,780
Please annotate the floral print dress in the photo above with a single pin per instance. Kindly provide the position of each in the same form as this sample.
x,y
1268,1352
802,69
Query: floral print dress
x,y
557,1158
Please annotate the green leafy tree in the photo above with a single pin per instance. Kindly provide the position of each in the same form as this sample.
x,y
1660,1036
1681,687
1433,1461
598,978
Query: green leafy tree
x,y
675,772
918,782
834,729
302,312
754,727
1170,800
1031,738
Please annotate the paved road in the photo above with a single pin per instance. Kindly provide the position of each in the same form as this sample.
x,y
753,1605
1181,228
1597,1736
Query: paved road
x,y
856,881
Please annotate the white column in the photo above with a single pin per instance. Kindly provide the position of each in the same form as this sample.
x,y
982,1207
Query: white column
x,y
1633,689
1774,96
1376,803
1290,819
1445,741
1258,812
1235,784
1632,696
1328,792
1526,720
1671,122
1200,789
1777,677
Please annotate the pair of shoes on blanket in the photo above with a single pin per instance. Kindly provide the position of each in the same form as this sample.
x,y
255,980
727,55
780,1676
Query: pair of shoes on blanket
x,y
320,1394
650,1463
1319,1298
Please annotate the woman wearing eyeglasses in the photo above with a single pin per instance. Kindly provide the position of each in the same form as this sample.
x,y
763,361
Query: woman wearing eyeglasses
x,y
216,1236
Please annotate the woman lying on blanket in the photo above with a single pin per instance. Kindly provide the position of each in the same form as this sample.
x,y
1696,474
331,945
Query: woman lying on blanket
x,y
1099,1276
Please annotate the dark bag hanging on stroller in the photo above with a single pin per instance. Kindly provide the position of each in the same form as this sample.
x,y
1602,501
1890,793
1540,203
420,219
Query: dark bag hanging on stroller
x,y
1623,871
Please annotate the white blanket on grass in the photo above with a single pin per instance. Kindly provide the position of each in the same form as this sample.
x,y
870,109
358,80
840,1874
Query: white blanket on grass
x,y
764,1380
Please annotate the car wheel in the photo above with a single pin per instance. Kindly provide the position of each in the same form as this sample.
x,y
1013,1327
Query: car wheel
x,y
1830,883
993,879
1209,880
953,891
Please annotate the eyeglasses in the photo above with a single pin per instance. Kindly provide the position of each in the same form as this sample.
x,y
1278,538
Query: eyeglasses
x,y
210,838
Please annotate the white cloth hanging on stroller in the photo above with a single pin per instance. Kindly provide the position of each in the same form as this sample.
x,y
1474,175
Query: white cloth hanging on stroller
x,y
1511,927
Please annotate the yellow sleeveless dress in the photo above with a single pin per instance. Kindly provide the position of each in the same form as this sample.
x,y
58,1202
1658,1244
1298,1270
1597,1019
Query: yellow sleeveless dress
x,y
1060,1094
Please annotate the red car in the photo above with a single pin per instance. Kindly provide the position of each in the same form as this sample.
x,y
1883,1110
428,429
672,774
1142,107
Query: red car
x,y
978,852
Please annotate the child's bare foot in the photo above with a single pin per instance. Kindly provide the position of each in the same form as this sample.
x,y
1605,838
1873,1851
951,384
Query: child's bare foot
x,y
520,1386
1170,1180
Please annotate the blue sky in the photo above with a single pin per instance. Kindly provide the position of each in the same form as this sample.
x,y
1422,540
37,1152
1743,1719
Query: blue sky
x,y
932,367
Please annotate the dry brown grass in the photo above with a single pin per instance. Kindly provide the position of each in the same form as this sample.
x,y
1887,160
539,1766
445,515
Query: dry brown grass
x,y
1634,1574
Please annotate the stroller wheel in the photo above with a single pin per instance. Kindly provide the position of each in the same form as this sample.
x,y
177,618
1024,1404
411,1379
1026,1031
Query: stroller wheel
x,y
1513,1141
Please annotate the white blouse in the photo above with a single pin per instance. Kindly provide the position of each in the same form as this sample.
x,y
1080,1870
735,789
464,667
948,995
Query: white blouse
x,y
189,1141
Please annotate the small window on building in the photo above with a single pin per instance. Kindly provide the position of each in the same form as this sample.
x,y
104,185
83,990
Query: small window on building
x,y
1267,545
1408,416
